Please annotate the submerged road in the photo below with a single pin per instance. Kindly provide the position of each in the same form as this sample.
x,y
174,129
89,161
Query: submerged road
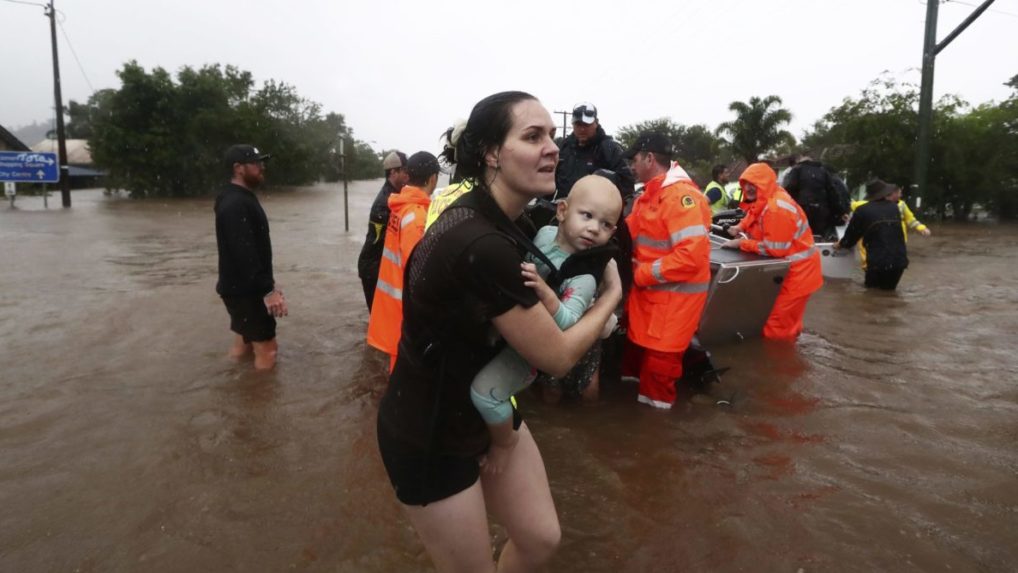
x,y
884,440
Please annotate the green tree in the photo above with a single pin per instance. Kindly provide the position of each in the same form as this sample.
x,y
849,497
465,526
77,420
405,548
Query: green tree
x,y
974,150
696,147
160,136
757,128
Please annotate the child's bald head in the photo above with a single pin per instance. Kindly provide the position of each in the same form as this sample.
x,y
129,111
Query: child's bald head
x,y
589,215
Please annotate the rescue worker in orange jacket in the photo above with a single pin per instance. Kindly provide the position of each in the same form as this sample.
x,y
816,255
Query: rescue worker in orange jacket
x,y
409,209
777,227
669,225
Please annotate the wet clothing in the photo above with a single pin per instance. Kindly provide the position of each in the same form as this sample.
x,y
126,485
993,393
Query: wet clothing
x,y
508,373
601,152
242,238
250,318
880,227
408,210
462,274
717,196
821,194
370,258
908,221
658,372
441,200
669,225
778,227
420,478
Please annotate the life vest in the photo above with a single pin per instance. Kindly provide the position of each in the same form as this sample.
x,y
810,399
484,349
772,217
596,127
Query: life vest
x,y
722,202
669,226
735,192
778,227
405,229
446,197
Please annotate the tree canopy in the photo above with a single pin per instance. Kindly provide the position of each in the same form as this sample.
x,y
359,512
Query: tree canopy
x,y
696,147
160,136
757,128
974,149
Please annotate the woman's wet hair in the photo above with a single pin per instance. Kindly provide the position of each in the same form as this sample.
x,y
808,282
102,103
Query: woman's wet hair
x,y
489,124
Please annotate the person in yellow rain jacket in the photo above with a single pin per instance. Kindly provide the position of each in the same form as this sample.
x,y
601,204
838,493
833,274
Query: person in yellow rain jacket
x,y
408,210
908,221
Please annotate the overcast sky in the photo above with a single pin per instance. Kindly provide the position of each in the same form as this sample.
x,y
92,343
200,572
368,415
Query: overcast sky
x,y
402,71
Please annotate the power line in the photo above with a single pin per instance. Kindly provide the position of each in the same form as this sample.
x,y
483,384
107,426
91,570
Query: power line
x,y
25,3
75,54
976,6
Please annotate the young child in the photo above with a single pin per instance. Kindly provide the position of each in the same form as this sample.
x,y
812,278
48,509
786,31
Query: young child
x,y
587,220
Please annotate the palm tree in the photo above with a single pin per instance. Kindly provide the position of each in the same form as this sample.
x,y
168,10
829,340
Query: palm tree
x,y
756,128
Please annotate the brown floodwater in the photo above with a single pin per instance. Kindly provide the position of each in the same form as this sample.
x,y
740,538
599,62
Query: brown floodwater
x,y
884,440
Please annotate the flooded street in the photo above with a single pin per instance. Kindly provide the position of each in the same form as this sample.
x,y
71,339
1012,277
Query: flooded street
x,y
885,440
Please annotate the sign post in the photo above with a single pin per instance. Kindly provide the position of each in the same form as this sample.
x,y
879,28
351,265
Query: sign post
x,y
10,191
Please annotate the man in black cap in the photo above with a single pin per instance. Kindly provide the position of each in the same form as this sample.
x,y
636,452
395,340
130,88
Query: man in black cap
x,y
669,226
246,284
878,224
370,258
587,149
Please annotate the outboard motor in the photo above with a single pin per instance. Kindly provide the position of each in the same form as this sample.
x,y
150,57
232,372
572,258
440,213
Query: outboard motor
x,y
724,219
698,369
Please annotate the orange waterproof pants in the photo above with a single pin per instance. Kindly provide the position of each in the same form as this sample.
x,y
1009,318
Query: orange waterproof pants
x,y
785,320
658,371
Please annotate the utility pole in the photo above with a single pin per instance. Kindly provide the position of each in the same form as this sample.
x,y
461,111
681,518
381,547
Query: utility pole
x,y
930,50
565,118
346,192
65,179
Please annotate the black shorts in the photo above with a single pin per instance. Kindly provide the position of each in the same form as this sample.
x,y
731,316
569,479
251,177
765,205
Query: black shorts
x,y
420,478
250,319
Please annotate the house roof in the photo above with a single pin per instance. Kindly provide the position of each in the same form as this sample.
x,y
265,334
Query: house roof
x,y
12,142
78,152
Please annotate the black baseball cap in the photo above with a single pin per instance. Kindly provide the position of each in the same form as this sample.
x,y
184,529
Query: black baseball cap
x,y
421,166
243,153
650,142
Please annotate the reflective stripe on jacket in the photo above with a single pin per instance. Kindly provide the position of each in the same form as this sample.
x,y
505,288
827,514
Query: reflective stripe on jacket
x,y
409,209
669,225
779,228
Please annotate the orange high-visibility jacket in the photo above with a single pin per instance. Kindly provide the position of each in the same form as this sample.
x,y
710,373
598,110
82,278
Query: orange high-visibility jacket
x,y
669,225
778,228
409,209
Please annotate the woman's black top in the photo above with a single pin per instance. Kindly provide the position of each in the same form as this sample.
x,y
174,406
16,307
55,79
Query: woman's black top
x,y
464,272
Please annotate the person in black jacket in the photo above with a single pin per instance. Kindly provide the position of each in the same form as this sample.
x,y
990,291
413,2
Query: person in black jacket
x,y
878,225
822,195
370,258
246,284
587,149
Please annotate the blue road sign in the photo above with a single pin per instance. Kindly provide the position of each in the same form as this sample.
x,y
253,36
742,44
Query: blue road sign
x,y
29,167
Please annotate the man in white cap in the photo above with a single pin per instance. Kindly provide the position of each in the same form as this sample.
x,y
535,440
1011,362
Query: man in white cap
x,y
371,253
587,149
